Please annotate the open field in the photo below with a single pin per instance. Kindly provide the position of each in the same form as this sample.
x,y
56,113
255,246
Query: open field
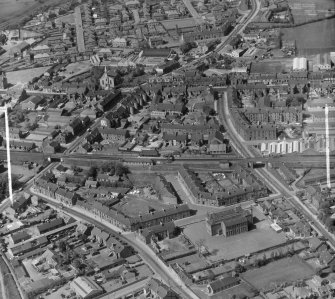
x,y
306,10
318,37
12,7
262,237
13,10
285,270
24,76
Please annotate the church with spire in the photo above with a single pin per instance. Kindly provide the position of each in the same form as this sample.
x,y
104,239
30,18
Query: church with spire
x,y
107,80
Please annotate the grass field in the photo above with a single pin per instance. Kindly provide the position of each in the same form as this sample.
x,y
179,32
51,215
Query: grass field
x,y
318,37
305,10
285,270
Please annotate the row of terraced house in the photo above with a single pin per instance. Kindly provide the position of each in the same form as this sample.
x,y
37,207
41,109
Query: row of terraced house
x,y
200,195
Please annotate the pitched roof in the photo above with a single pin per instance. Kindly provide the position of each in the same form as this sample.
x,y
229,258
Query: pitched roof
x,y
162,290
50,225
220,284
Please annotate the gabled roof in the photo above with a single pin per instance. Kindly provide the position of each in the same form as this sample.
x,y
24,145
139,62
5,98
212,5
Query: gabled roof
x,y
162,290
220,284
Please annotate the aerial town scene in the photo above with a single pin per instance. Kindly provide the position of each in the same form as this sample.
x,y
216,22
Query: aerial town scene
x,y
174,149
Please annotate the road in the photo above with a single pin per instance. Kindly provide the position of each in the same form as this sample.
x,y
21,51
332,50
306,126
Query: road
x,y
256,6
239,145
199,20
144,251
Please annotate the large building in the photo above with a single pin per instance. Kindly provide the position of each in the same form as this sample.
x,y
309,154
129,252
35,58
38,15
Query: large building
x,y
229,221
249,131
85,287
299,64
223,197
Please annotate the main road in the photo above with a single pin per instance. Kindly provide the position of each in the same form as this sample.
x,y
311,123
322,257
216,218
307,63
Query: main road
x,y
144,251
239,145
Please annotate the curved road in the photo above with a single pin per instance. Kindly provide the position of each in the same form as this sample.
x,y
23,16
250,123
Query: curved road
x,y
144,251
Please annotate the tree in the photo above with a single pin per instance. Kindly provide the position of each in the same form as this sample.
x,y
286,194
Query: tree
x,y
76,263
20,116
329,222
186,47
239,268
208,110
120,169
3,39
92,172
62,246
272,255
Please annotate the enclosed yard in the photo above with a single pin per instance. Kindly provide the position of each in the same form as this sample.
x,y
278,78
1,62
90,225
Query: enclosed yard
x,y
285,270
133,206
220,247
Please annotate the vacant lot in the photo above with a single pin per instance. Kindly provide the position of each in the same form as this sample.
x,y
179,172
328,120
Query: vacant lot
x,y
285,270
25,76
313,38
220,247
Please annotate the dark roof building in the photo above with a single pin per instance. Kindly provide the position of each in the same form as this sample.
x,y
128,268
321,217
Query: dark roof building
x,y
49,226
220,285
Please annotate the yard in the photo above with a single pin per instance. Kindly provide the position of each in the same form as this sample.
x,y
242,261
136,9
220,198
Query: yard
x,y
76,68
24,76
134,206
243,290
284,270
220,247
33,273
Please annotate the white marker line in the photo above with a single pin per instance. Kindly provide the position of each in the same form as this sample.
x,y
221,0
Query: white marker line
x,y
4,109
327,147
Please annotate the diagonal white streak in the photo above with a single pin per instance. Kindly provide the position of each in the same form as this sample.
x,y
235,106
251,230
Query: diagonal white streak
x,y
8,154
327,147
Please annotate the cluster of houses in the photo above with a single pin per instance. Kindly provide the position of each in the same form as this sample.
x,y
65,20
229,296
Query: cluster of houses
x,y
214,195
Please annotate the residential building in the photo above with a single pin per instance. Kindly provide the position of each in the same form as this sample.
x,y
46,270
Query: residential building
x,y
20,236
114,135
158,232
49,226
31,103
119,42
156,289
